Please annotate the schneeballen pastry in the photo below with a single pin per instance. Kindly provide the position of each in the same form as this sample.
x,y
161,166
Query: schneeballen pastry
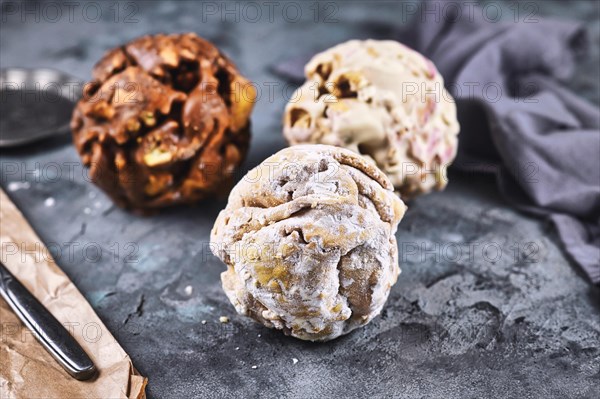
x,y
384,101
164,121
308,240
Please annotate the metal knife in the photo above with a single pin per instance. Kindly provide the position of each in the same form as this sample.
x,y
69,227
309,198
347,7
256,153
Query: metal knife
x,y
48,331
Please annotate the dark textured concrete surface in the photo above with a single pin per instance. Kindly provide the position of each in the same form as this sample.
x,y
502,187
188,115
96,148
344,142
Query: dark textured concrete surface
x,y
487,304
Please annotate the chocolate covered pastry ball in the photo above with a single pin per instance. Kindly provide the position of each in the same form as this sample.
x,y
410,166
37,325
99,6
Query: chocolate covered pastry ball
x,y
308,240
164,121
383,101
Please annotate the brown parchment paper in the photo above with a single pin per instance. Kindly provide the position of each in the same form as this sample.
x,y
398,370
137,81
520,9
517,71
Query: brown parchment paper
x,y
26,369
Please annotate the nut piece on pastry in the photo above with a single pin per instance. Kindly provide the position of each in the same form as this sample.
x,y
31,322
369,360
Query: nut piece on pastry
x,y
308,240
383,101
164,121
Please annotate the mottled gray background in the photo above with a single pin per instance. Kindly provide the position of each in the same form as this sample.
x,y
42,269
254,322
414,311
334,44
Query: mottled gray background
x,y
487,304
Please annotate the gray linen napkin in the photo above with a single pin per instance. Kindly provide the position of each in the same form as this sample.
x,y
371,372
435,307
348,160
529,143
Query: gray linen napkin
x,y
541,141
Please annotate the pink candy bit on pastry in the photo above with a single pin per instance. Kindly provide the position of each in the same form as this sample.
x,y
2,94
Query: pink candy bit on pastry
x,y
384,101
308,240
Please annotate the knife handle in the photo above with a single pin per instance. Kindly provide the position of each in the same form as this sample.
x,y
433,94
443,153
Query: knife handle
x,y
47,330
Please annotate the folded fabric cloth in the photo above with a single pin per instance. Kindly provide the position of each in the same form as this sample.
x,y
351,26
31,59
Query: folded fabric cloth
x,y
540,140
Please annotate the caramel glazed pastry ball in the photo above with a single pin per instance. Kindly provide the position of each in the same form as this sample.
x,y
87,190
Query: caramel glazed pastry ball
x,y
384,101
164,121
308,240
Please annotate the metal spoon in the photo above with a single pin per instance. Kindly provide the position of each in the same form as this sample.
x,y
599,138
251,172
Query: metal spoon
x,y
35,104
